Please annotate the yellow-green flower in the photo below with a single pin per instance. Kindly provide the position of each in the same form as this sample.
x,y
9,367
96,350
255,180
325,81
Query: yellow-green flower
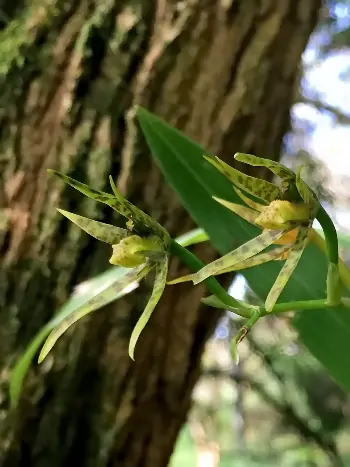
x,y
142,247
285,214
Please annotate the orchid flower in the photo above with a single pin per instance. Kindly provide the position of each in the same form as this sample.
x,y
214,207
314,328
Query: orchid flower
x,y
285,214
142,247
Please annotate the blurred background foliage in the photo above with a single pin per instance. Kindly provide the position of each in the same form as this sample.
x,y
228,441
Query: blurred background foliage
x,y
278,406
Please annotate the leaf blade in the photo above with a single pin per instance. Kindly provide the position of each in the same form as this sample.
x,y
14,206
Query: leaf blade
x,y
180,159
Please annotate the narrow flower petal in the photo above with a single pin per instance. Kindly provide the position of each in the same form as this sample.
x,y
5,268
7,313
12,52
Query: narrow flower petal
x,y
249,202
246,213
99,230
249,249
288,268
306,193
255,186
142,222
272,255
278,169
98,301
158,289
178,280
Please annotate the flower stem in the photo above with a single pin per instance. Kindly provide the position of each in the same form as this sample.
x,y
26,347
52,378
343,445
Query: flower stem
x,y
331,235
338,273
297,305
195,264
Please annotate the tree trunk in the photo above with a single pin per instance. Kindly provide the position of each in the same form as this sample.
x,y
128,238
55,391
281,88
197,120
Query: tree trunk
x,y
224,72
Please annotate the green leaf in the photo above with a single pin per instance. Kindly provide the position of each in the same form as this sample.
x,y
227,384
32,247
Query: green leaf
x,y
326,332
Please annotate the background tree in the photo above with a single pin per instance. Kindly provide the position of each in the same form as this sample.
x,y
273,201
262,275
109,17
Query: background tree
x,y
71,71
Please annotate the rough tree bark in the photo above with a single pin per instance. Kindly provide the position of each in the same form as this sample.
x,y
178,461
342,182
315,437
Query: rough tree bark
x,y
223,71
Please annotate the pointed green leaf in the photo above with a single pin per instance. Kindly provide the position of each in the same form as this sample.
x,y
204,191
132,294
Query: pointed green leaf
x,y
195,182
251,248
94,303
158,289
278,169
255,186
288,268
99,230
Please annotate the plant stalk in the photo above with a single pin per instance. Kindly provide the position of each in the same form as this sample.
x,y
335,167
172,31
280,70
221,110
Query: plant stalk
x,y
195,264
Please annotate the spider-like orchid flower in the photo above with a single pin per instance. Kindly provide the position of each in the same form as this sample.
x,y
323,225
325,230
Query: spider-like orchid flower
x,y
142,247
286,218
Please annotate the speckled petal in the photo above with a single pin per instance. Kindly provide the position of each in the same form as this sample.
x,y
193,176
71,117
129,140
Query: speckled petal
x,y
142,222
273,255
158,289
91,305
249,249
288,268
249,202
278,169
257,187
99,230
306,193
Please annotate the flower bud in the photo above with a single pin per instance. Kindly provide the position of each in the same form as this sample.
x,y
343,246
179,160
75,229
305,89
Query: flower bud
x,y
133,251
